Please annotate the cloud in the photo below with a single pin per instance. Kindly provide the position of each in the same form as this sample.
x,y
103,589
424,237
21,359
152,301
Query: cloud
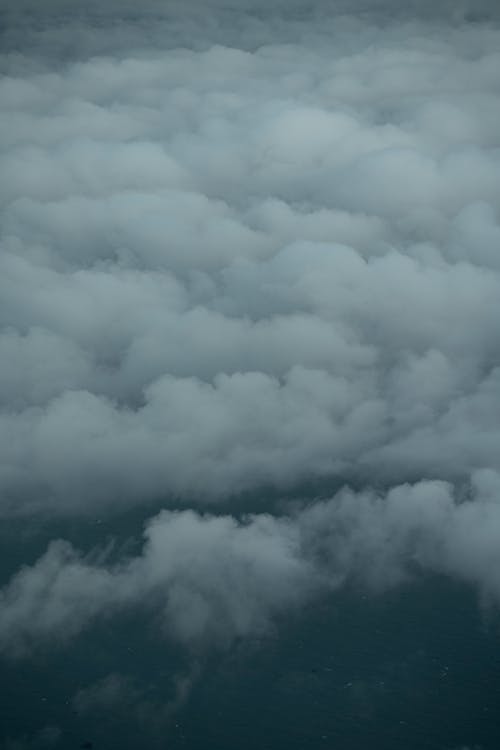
x,y
211,579
244,248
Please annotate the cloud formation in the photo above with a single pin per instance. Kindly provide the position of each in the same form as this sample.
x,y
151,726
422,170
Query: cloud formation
x,y
212,579
240,250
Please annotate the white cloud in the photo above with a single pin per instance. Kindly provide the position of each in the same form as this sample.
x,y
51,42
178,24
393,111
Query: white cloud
x,y
242,250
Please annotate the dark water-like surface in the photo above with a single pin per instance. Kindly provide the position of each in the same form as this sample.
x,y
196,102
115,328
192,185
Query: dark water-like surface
x,y
414,669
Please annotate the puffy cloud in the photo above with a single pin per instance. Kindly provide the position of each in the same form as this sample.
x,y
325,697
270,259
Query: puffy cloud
x,y
245,249
214,578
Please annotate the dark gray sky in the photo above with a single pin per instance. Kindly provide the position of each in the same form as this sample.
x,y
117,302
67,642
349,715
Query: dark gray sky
x,y
248,249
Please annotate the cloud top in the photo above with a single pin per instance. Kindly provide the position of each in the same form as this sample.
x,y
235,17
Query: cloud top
x,y
245,249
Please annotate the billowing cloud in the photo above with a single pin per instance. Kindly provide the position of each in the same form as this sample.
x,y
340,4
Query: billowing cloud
x,y
247,249
211,575
211,578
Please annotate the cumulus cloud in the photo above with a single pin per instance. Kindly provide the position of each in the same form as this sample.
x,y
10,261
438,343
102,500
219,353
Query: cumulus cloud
x,y
212,576
226,268
213,579
247,248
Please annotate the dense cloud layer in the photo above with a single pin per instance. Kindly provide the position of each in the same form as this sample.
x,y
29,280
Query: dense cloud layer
x,y
240,250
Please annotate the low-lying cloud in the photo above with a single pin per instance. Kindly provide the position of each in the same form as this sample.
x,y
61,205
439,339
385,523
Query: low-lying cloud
x,y
213,579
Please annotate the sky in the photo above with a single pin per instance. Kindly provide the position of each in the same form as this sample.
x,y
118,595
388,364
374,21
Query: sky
x,y
249,297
